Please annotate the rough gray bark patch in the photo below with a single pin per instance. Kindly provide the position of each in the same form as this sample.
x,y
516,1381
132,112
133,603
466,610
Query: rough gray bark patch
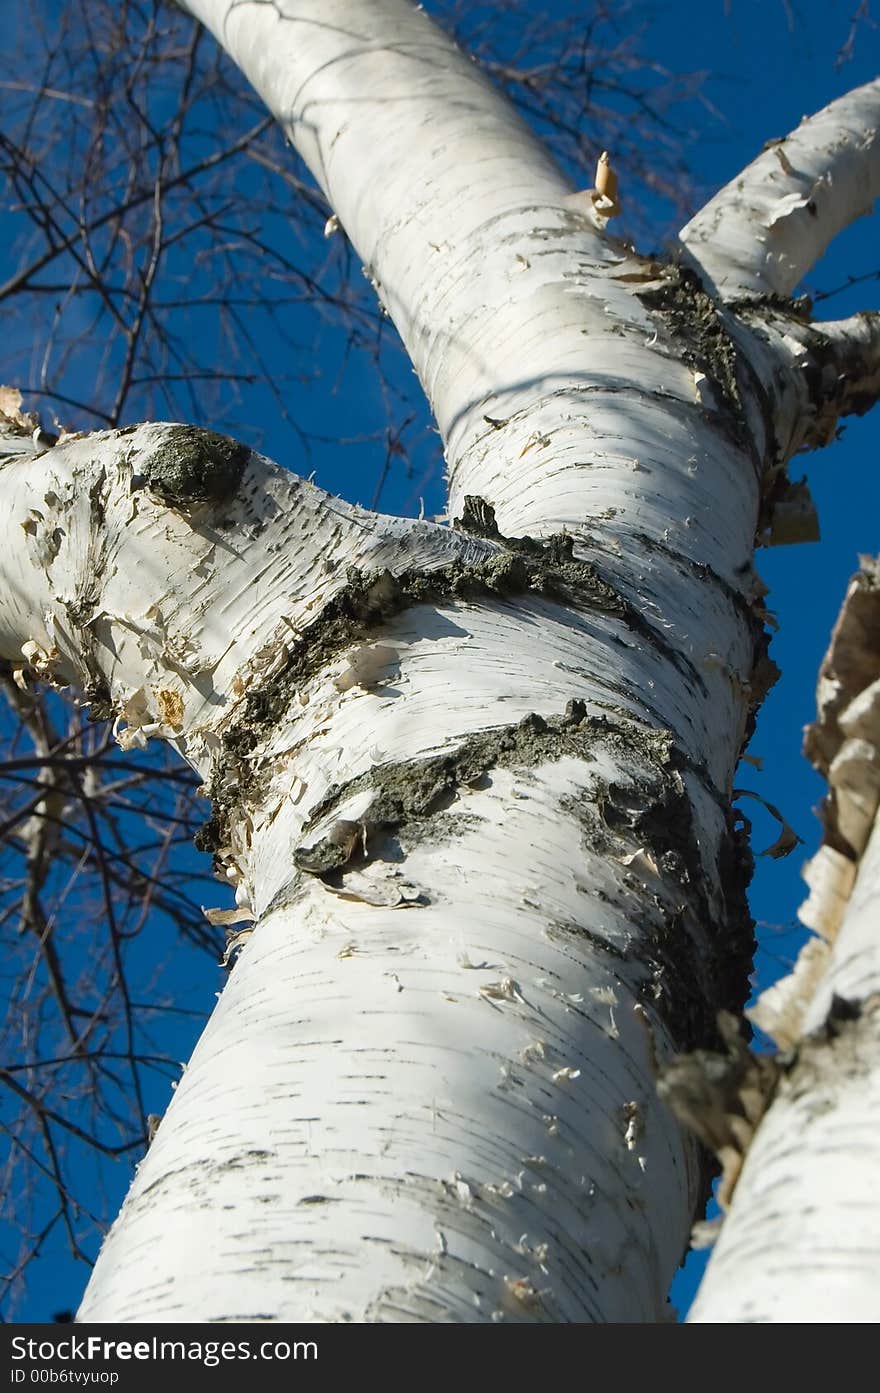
x,y
196,466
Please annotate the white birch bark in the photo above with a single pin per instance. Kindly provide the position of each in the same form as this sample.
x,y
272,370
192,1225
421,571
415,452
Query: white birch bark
x,y
473,793
765,229
802,1240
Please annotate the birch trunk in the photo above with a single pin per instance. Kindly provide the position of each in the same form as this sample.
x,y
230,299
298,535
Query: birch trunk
x,y
471,783
802,1240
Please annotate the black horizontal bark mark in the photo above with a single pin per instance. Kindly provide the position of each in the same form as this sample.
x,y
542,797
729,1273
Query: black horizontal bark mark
x,y
414,787
696,965
563,576
412,790
520,566
707,574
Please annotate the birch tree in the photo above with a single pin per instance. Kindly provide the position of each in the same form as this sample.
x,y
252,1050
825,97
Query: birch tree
x,y
471,782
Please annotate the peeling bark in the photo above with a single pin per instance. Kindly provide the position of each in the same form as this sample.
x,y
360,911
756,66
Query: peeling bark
x,y
802,1241
764,230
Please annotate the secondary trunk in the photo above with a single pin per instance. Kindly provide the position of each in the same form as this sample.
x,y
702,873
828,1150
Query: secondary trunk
x,y
801,1242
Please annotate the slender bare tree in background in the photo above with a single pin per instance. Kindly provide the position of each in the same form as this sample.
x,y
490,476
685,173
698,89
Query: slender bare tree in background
x,y
470,784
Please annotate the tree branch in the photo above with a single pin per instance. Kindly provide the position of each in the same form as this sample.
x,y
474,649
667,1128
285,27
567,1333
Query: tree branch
x,y
812,373
764,230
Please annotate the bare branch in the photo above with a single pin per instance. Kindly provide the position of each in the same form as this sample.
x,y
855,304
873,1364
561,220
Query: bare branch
x,y
764,230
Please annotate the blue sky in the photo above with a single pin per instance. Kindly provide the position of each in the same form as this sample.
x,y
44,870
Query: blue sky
x,y
766,63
